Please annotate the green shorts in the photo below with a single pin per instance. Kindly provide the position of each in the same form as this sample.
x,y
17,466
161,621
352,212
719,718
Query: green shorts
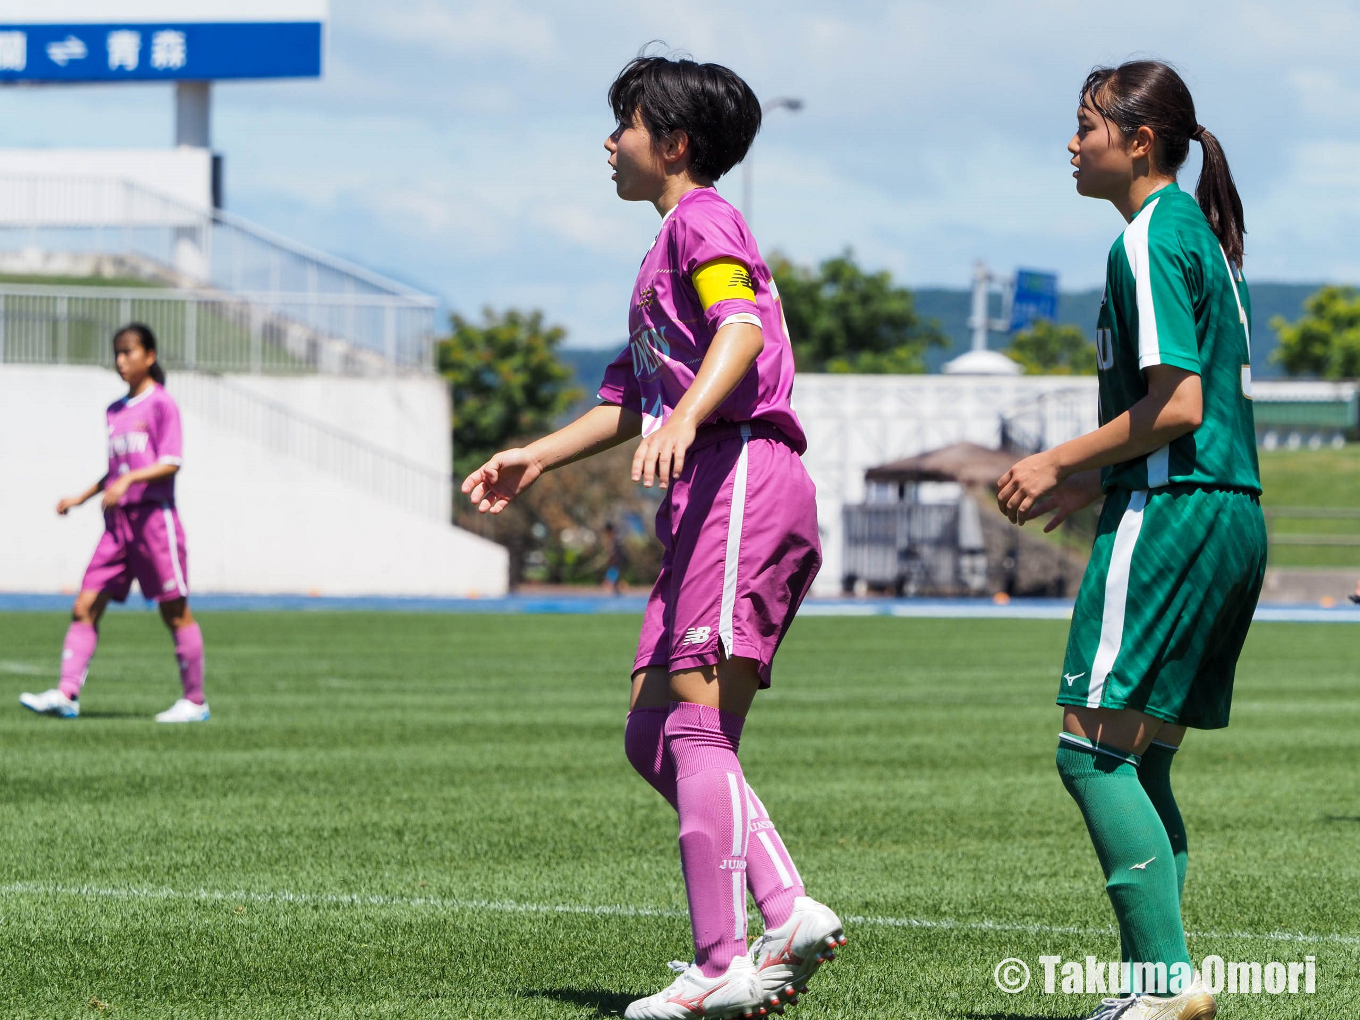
x,y
1165,604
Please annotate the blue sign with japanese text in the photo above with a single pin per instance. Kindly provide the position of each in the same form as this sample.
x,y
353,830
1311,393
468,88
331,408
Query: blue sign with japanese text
x,y
195,51
1036,297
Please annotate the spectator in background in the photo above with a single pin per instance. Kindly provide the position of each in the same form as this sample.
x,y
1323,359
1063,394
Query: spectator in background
x,y
614,561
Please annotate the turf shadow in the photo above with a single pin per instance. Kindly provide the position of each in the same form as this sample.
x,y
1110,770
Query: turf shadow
x,y
605,1003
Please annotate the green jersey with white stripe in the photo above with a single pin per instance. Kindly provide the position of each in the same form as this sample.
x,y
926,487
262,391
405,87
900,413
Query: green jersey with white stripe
x,y
1172,298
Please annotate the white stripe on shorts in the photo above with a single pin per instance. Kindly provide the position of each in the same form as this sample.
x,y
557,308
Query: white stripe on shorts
x,y
733,785
1116,596
734,523
169,514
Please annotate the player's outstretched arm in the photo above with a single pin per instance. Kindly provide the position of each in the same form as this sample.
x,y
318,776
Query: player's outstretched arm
x,y
71,502
1174,405
493,485
734,350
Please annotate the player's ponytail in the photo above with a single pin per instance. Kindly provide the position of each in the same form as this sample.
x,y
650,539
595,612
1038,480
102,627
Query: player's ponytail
x,y
1217,196
1150,93
147,339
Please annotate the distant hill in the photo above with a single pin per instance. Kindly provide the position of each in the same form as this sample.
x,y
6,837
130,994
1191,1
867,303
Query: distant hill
x,y
950,309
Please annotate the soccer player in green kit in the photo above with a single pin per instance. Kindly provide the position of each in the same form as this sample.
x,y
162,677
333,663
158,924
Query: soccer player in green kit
x,y
1180,552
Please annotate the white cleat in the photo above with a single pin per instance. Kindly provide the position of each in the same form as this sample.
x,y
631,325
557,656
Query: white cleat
x,y
51,702
184,710
786,957
691,995
1195,1003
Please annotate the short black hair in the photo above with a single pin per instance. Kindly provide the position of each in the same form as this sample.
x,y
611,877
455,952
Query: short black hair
x,y
709,102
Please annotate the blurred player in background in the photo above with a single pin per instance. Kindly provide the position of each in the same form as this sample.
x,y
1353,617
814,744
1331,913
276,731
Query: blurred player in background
x,y
614,561
143,537
706,379
1180,553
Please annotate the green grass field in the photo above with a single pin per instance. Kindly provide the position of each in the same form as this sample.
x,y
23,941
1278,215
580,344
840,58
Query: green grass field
x,y
1319,479
418,816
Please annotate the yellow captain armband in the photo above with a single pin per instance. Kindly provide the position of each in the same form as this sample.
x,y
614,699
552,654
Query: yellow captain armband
x,y
724,279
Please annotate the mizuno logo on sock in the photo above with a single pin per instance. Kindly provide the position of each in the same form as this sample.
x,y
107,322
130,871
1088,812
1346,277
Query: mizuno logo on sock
x,y
1143,866
1069,677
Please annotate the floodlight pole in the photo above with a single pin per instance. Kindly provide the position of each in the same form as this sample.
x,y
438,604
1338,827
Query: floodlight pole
x,y
748,185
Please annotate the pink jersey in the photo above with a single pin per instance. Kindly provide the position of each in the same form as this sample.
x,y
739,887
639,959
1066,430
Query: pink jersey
x,y
145,430
669,330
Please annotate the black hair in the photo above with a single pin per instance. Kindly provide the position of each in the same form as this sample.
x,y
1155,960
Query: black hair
x,y
147,339
708,102
1151,93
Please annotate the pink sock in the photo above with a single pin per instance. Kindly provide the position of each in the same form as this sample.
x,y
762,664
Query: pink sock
x,y
710,797
770,872
189,654
644,742
76,654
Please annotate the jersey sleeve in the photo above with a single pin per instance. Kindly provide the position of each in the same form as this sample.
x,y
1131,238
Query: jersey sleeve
x,y
169,438
713,254
1166,316
620,385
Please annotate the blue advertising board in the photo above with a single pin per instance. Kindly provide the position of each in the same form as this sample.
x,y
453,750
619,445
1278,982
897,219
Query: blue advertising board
x,y
1036,297
151,51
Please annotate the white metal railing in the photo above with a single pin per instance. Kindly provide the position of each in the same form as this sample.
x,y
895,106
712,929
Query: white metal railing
x,y
1048,419
274,426
210,329
59,219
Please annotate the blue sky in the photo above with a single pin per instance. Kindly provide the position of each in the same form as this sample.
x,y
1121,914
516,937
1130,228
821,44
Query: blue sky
x,y
457,145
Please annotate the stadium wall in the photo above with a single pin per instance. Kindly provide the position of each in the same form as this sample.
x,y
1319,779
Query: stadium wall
x,y
855,422
257,520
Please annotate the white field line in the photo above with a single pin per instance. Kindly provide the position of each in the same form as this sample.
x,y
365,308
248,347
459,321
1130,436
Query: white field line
x,y
20,668
603,910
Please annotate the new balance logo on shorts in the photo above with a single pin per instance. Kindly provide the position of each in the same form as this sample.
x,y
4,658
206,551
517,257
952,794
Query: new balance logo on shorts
x,y
697,635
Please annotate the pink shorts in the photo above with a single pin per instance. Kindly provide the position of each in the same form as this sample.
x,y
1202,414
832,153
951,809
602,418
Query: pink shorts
x,y
145,541
739,528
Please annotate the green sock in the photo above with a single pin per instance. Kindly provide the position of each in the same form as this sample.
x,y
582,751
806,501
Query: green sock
x,y
1133,847
1155,775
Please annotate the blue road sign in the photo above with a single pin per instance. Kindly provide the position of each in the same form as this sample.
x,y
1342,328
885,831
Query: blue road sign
x,y
1036,297
196,51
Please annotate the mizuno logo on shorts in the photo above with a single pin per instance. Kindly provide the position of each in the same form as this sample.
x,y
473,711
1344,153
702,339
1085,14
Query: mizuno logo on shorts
x,y
697,635
1070,677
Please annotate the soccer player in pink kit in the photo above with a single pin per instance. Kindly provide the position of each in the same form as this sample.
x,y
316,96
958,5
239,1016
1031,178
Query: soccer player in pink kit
x,y
706,379
142,536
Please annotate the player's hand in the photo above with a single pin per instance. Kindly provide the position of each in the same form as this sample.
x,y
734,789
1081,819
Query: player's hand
x,y
66,504
1020,490
493,485
661,456
1074,494
114,492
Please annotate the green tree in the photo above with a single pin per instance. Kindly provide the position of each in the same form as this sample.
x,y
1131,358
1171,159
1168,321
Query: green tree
x,y
1047,348
1326,340
505,380
842,319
